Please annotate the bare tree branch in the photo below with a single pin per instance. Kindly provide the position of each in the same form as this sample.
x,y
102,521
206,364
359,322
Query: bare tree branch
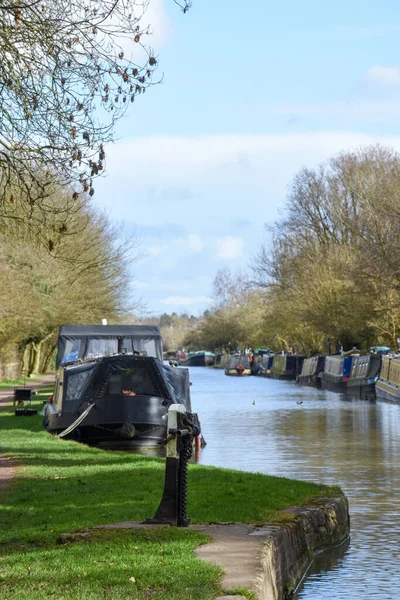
x,y
68,72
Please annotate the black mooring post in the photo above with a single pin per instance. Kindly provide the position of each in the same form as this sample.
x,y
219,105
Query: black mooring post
x,y
167,512
172,508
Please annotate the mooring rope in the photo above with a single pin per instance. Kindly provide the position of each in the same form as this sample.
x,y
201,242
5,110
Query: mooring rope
x,y
78,421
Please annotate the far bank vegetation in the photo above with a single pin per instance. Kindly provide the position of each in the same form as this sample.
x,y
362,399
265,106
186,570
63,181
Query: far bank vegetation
x,y
328,273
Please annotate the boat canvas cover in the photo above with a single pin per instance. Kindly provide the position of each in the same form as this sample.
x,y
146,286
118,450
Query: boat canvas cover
x,y
84,341
310,366
334,365
178,385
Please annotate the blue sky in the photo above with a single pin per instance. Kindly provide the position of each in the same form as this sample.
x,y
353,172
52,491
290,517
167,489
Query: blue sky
x,y
251,92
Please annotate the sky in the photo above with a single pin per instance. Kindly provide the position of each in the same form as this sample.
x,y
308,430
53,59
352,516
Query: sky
x,y
250,93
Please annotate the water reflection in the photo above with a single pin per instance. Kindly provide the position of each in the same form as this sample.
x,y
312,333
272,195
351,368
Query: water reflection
x,y
256,424
324,563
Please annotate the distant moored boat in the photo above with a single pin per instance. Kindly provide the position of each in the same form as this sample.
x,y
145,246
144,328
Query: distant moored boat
x,y
388,385
286,366
238,365
198,359
364,374
311,371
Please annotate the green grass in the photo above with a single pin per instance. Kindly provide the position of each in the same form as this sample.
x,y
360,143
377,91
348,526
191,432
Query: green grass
x,y
62,486
161,562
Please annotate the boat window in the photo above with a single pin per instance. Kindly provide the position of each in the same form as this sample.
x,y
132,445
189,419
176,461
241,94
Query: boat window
x,y
127,344
72,348
102,347
145,346
75,385
131,381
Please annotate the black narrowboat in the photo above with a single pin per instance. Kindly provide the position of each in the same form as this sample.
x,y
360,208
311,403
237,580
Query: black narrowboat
x,y
112,384
286,366
198,359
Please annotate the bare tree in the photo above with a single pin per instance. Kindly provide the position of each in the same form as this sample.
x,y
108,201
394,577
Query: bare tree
x,y
230,289
68,71
336,253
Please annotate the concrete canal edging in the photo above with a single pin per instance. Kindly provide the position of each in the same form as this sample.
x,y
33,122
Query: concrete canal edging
x,y
290,550
272,560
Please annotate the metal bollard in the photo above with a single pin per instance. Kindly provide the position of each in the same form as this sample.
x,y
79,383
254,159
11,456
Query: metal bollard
x,y
181,429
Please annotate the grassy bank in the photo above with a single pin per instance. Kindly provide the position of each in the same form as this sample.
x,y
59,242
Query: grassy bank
x,y
62,486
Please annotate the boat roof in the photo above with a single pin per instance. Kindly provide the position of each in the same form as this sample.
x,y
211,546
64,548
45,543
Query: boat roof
x,y
79,340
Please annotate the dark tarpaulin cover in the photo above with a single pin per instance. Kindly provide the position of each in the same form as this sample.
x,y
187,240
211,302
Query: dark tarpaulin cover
x,y
178,380
79,341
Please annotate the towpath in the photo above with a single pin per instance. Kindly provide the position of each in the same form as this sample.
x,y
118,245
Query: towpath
x,y
7,394
7,466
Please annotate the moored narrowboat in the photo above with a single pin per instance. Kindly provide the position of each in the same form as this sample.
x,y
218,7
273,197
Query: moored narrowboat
x,y
286,366
387,386
198,359
111,385
364,374
262,365
336,373
311,371
238,366
221,361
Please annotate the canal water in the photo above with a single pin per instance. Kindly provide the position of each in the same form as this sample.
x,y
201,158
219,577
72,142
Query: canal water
x,y
279,428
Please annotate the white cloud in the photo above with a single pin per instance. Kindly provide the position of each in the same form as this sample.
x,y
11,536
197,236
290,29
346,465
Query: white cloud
x,y
367,111
174,284
230,177
179,246
195,242
156,17
156,250
387,76
230,247
182,161
185,300
192,242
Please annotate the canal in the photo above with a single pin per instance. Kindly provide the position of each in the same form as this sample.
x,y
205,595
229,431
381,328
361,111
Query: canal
x,y
279,428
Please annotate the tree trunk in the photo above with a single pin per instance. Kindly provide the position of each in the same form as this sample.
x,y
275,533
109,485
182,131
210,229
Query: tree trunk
x,y
47,356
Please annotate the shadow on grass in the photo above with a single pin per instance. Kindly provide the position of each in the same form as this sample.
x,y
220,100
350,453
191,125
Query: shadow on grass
x,y
160,562
29,457
53,500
